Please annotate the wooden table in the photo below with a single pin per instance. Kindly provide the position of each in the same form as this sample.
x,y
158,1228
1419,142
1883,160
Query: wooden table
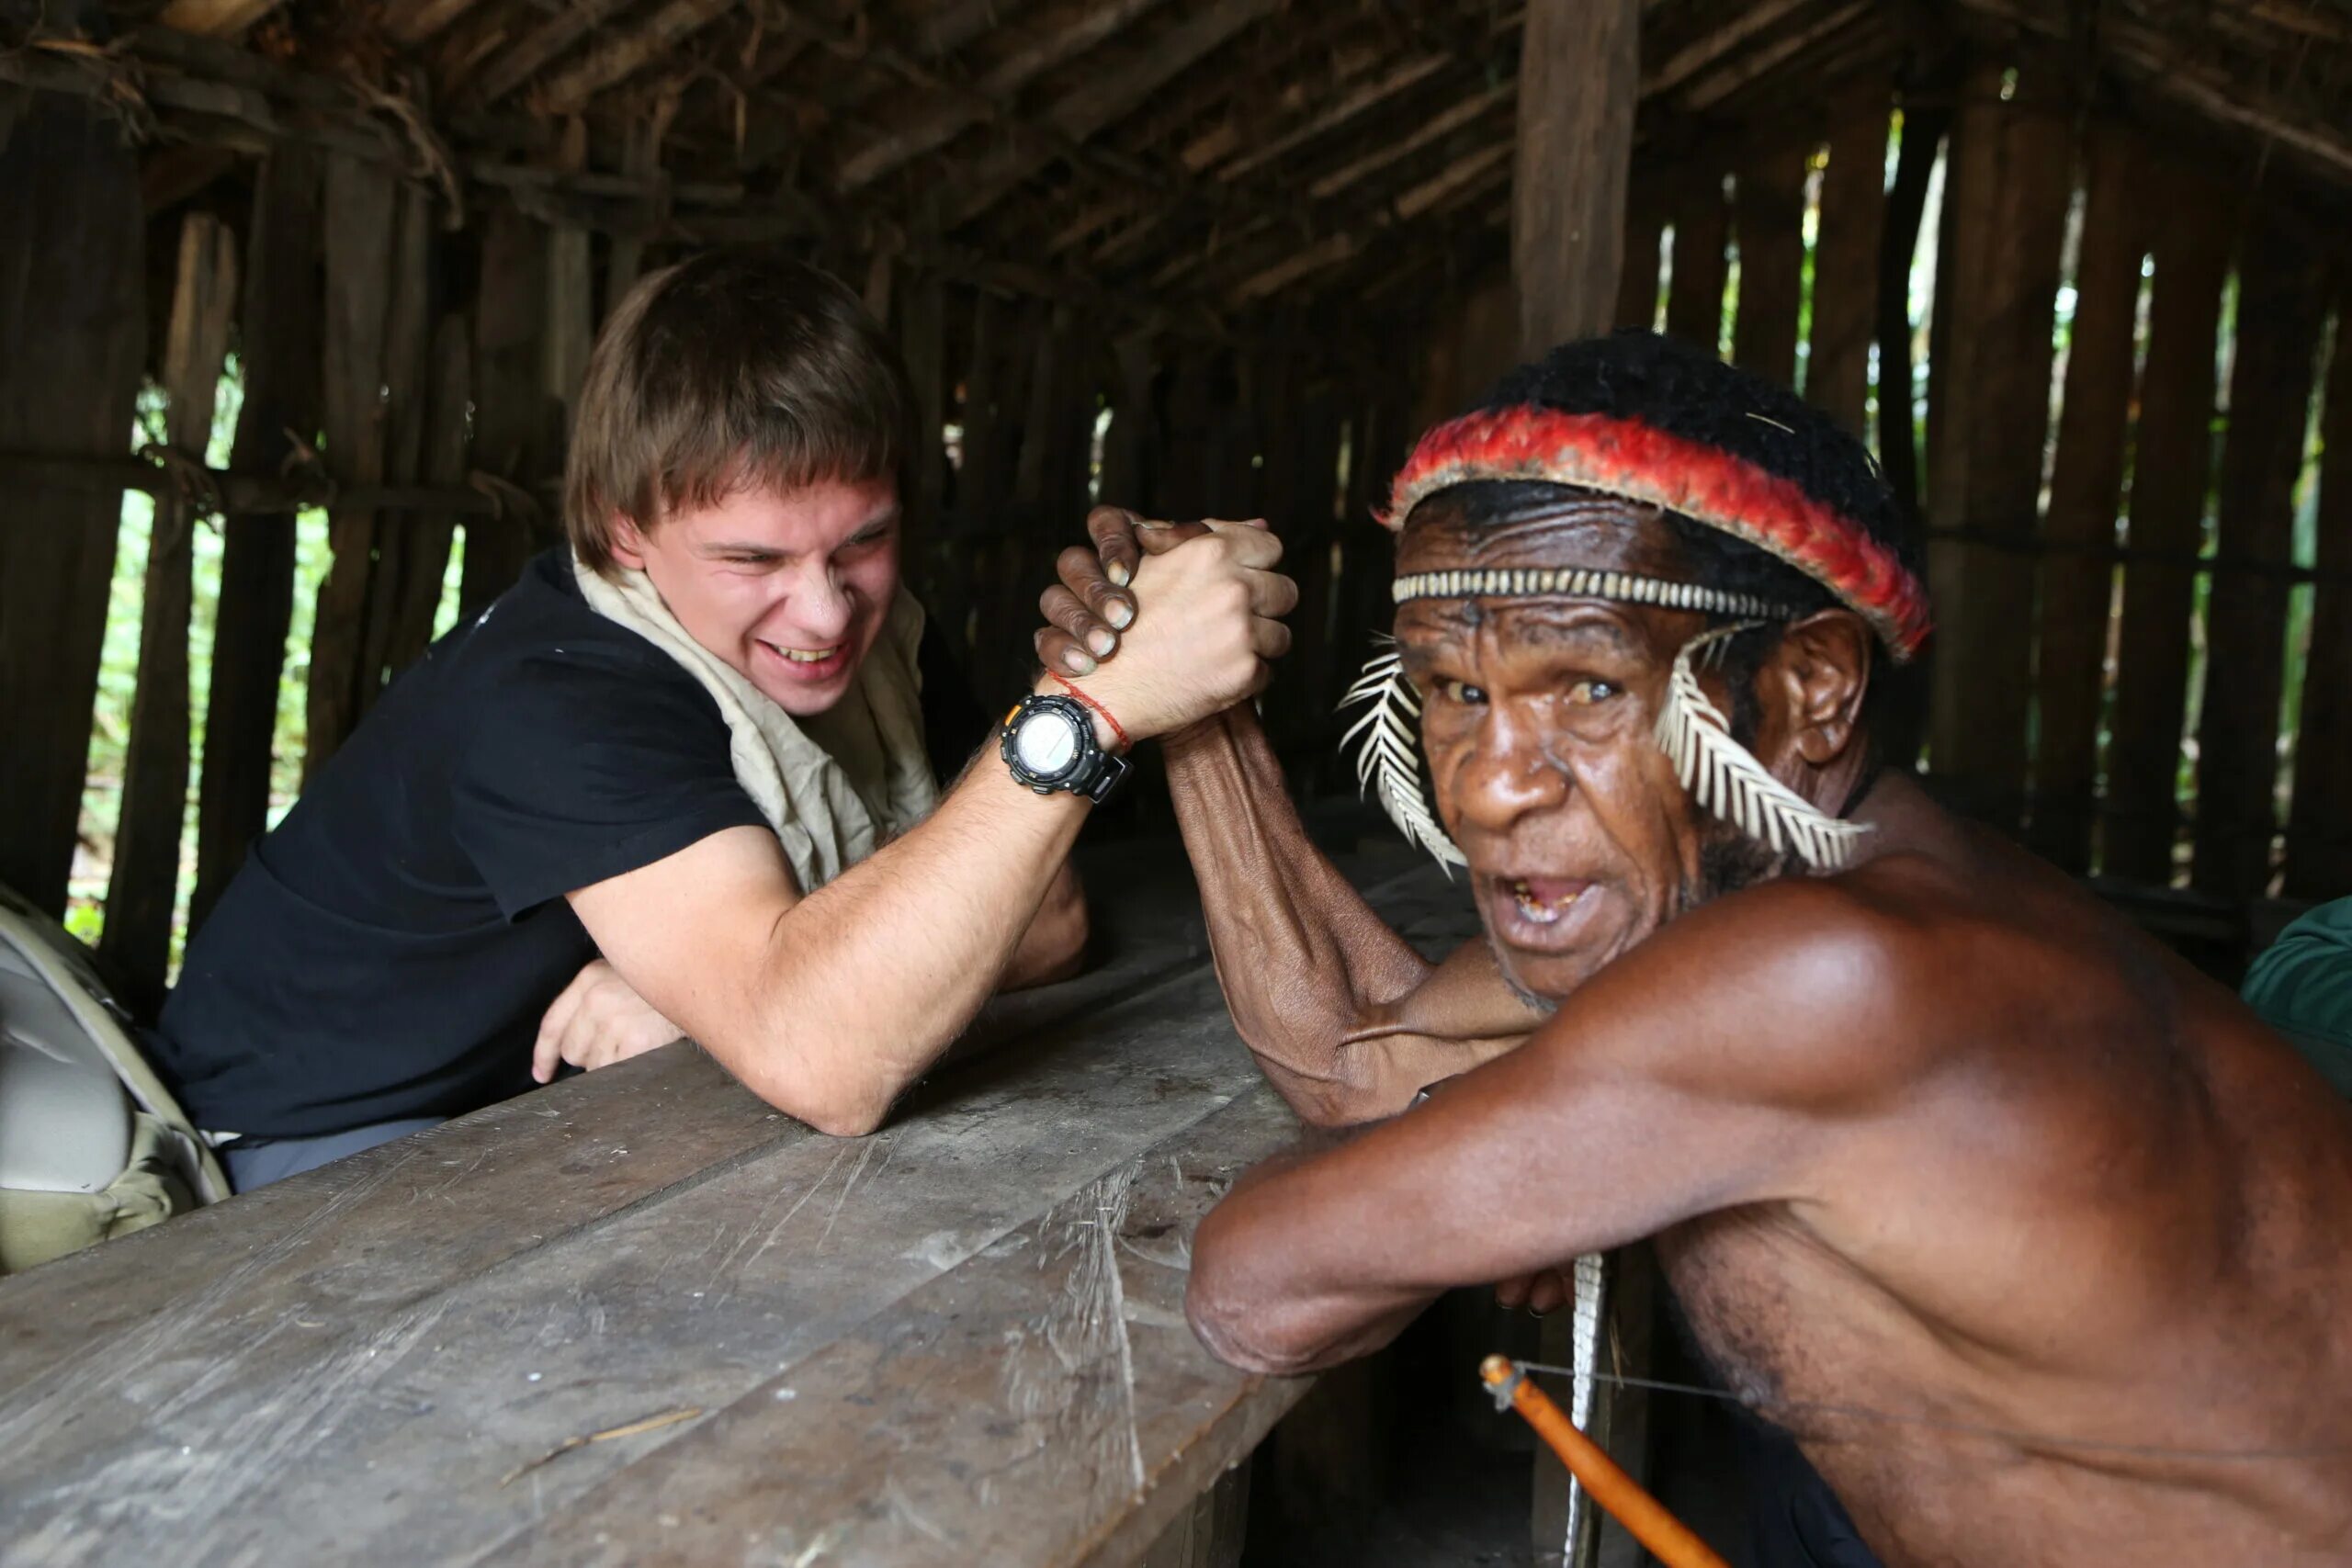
x,y
960,1340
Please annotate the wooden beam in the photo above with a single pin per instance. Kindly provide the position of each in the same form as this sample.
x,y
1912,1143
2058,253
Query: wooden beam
x,y
216,18
143,888
1701,53
74,315
1768,213
1907,200
1358,101
2319,830
2015,177
413,21
2278,322
278,348
619,59
1762,62
1579,73
518,426
2171,468
929,120
1097,104
410,551
1429,130
2085,492
532,53
1846,269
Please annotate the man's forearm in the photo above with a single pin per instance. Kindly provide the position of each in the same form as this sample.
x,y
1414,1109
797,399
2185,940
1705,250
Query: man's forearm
x,y
868,980
1322,990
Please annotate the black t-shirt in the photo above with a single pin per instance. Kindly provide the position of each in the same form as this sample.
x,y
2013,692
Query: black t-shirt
x,y
387,949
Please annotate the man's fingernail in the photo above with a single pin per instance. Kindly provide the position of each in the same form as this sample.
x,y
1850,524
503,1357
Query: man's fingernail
x,y
1120,613
1118,574
1101,641
1078,663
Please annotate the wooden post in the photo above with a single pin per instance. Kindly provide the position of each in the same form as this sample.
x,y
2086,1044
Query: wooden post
x,y
1126,453
1846,272
1579,76
144,886
2319,832
359,207
2237,735
2172,462
515,428
278,349
1767,204
72,315
2085,489
571,291
2015,178
1695,303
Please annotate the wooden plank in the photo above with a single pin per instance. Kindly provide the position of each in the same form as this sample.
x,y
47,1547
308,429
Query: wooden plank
x,y
2171,469
409,551
218,19
1694,302
1579,77
1637,281
143,888
571,291
1128,444
1044,1402
426,561
1768,207
348,1357
2086,493
358,210
279,352
2015,177
515,424
2278,320
551,37
1846,270
72,315
2319,832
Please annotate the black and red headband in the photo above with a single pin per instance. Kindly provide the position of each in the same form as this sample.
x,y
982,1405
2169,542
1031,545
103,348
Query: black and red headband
x,y
1628,457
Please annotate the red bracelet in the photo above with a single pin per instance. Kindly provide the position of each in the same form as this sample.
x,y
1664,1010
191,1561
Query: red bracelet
x,y
1098,707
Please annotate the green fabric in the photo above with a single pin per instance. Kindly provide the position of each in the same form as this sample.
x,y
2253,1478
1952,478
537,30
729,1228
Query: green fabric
x,y
2302,985
38,1226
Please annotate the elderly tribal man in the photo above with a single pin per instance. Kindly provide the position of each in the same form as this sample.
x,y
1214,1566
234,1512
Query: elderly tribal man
x,y
2035,1240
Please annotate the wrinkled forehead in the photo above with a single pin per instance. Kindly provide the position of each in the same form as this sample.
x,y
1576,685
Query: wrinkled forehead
x,y
1502,523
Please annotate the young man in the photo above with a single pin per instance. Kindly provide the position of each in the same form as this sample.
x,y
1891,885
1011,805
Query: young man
x,y
693,742
2033,1238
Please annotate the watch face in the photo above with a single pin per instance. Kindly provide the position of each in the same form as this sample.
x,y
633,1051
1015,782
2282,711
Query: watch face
x,y
1045,744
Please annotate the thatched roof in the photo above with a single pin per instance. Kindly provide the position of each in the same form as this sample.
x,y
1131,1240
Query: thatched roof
x,y
1193,157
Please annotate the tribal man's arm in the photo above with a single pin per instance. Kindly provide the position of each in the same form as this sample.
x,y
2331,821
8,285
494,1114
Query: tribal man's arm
x,y
1348,1022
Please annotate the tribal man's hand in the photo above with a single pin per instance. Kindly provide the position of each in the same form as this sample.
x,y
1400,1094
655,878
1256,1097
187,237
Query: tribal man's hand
x,y
1205,631
1092,605
598,1020
1546,1289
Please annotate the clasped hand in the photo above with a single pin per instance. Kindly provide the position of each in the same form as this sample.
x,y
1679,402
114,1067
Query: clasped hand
x,y
1190,610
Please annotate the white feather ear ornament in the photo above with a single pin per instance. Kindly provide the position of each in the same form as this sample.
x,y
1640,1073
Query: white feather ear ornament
x,y
1391,758
1724,779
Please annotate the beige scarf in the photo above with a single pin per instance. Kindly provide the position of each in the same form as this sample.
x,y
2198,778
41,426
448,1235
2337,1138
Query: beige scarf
x,y
835,787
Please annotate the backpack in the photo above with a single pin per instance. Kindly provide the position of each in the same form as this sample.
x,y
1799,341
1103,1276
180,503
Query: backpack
x,y
92,1145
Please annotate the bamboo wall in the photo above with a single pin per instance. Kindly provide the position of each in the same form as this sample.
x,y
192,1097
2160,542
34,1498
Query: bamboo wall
x,y
2113,531
415,379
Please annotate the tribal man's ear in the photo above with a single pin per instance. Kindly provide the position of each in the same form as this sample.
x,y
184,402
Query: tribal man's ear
x,y
1825,662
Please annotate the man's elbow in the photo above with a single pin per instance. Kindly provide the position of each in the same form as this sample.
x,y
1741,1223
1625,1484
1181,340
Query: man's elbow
x,y
1239,1325
836,1111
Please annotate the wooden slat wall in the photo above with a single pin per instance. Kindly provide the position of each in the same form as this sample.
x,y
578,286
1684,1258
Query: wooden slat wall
x,y
2237,734
2168,487
1768,207
2085,489
1694,304
1846,265
70,310
2319,827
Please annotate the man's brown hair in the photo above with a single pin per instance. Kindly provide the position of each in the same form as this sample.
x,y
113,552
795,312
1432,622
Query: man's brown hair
x,y
735,371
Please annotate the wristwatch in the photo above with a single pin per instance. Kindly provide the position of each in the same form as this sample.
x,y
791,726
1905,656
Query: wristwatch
x,y
1048,742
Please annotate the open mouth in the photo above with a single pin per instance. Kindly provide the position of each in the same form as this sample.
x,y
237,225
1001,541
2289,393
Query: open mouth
x,y
1542,914
808,663
1544,901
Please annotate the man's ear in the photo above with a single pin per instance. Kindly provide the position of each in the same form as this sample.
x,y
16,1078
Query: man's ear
x,y
628,542
1822,670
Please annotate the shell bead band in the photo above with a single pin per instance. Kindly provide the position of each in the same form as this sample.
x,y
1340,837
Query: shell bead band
x,y
1502,582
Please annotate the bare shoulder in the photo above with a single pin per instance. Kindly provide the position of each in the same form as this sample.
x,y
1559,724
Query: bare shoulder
x,y
1820,991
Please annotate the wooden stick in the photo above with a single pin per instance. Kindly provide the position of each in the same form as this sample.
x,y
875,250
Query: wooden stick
x,y
1668,1537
